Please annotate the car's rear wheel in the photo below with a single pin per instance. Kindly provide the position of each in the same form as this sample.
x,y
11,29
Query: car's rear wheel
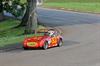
x,y
45,46
60,43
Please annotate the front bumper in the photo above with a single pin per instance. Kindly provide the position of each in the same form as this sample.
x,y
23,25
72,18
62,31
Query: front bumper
x,y
31,44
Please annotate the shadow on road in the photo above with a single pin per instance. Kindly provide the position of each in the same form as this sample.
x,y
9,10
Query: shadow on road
x,y
16,48
13,47
68,43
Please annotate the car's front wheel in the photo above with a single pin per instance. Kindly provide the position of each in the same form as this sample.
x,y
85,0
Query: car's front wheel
x,y
25,48
45,46
60,43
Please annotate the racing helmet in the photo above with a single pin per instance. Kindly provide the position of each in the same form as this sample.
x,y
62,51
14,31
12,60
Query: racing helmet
x,y
51,32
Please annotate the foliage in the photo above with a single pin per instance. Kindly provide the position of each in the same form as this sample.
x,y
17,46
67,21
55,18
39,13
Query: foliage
x,y
1,8
13,6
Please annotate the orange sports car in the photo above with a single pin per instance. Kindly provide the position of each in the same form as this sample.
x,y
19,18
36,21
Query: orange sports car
x,y
49,38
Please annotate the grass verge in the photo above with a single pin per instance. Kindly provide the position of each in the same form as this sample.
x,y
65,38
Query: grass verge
x,y
10,35
93,7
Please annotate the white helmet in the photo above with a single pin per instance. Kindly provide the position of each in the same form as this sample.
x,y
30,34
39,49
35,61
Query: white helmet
x,y
51,32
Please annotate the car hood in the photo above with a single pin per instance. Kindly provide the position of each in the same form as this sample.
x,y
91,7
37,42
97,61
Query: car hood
x,y
36,38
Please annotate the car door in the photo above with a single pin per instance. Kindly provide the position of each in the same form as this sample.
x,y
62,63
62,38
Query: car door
x,y
54,40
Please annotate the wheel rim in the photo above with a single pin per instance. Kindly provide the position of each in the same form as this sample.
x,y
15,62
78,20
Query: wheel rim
x,y
60,43
45,46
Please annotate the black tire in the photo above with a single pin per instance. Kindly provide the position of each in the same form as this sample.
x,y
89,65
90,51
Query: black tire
x,y
60,43
25,48
45,46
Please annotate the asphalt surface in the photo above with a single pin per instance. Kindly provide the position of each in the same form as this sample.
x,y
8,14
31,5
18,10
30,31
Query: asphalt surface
x,y
81,32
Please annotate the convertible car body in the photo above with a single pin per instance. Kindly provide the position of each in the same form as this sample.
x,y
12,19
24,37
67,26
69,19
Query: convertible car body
x,y
50,38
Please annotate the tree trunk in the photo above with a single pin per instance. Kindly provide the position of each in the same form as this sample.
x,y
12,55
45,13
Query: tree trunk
x,y
1,11
31,26
25,18
1,16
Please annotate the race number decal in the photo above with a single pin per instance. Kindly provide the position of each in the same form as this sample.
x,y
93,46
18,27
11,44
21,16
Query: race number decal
x,y
54,40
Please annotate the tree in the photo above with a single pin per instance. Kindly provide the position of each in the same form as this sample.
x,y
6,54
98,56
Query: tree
x,y
1,10
29,21
12,6
30,18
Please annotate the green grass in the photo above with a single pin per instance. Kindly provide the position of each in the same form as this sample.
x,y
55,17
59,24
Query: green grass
x,y
84,1
10,35
12,32
92,6
83,7
10,40
14,39
7,24
7,28
23,1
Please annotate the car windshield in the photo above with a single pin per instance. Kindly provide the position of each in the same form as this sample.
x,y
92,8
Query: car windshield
x,y
47,34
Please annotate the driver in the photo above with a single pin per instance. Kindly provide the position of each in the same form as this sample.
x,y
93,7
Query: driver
x,y
51,33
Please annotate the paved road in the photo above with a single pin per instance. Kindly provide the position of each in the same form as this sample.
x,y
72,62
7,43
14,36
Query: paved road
x,y
81,47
